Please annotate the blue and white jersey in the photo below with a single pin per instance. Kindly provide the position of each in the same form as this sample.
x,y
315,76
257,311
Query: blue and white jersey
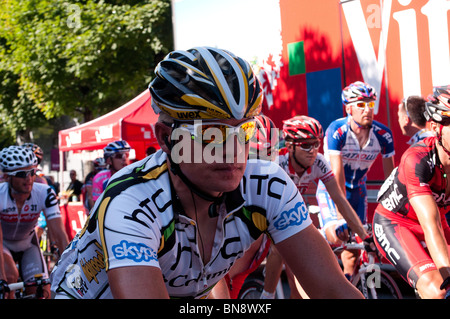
x,y
341,140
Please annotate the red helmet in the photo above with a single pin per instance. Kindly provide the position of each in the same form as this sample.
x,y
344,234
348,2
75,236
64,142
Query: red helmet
x,y
302,127
266,136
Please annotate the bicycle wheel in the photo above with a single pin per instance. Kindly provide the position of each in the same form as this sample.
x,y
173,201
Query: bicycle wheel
x,y
251,289
385,287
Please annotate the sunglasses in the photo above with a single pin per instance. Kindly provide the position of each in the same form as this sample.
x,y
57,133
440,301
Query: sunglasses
x,y
362,105
121,155
307,146
23,174
217,133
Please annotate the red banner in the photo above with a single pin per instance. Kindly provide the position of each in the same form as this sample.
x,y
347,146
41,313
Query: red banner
x,y
74,216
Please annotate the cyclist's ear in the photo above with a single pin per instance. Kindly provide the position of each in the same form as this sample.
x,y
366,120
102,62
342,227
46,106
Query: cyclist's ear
x,y
162,133
348,109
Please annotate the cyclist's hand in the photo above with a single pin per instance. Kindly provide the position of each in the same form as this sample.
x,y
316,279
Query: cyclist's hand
x,y
341,230
446,285
4,289
369,245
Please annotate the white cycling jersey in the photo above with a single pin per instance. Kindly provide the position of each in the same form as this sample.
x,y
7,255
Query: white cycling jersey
x,y
137,222
319,170
19,226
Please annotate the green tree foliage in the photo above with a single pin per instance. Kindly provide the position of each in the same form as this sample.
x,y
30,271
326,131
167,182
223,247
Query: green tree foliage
x,y
76,58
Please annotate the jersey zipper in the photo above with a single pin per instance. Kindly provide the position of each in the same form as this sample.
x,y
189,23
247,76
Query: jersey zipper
x,y
18,221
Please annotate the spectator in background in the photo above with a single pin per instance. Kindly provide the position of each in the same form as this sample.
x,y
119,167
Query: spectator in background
x,y
99,165
75,185
150,150
411,119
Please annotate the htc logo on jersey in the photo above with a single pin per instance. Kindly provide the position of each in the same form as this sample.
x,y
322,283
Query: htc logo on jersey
x,y
385,244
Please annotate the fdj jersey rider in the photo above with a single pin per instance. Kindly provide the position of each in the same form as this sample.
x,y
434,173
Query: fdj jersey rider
x,y
173,229
21,202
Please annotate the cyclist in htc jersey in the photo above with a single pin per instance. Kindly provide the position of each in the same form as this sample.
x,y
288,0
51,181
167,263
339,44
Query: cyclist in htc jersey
x,y
351,145
173,224
305,165
116,157
409,224
21,201
263,145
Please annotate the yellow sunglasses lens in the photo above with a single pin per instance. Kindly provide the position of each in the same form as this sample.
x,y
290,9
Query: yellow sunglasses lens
x,y
362,105
247,131
219,133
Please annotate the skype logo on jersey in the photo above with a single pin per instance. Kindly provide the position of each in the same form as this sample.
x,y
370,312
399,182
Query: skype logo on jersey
x,y
292,217
134,251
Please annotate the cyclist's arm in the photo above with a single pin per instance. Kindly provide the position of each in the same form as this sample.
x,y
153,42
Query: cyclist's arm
x,y
89,195
429,218
59,235
315,266
337,166
345,208
2,259
137,282
388,166
220,290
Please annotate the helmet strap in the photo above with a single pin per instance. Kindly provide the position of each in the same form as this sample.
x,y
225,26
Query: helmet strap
x,y
298,163
439,136
363,127
176,170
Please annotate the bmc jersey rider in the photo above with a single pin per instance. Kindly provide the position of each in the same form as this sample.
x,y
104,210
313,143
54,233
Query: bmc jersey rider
x,y
413,202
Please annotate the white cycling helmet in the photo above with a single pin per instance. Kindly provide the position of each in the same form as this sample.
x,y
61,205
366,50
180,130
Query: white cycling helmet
x,y
112,148
15,157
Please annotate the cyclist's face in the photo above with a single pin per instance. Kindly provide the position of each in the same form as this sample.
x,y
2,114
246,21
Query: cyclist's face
x,y
403,119
22,185
306,152
214,168
119,161
362,116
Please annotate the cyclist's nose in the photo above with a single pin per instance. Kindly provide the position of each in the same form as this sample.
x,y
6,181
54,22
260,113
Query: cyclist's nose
x,y
234,150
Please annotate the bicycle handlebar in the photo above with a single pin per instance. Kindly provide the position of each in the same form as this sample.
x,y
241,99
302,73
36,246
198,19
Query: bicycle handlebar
x,y
348,246
21,285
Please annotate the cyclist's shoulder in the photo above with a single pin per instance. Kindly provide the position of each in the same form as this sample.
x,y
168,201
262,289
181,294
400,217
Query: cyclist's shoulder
x,y
40,188
338,128
262,167
149,175
381,131
106,173
337,123
4,187
422,153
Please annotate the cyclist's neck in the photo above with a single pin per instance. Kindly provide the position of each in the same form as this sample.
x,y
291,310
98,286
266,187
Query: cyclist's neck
x,y
19,197
299,168
189,200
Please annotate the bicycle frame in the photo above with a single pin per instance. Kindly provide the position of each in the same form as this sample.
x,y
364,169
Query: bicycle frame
x,y
369,283
360,274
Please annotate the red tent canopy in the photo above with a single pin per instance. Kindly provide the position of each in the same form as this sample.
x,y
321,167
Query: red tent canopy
x,y
133,122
